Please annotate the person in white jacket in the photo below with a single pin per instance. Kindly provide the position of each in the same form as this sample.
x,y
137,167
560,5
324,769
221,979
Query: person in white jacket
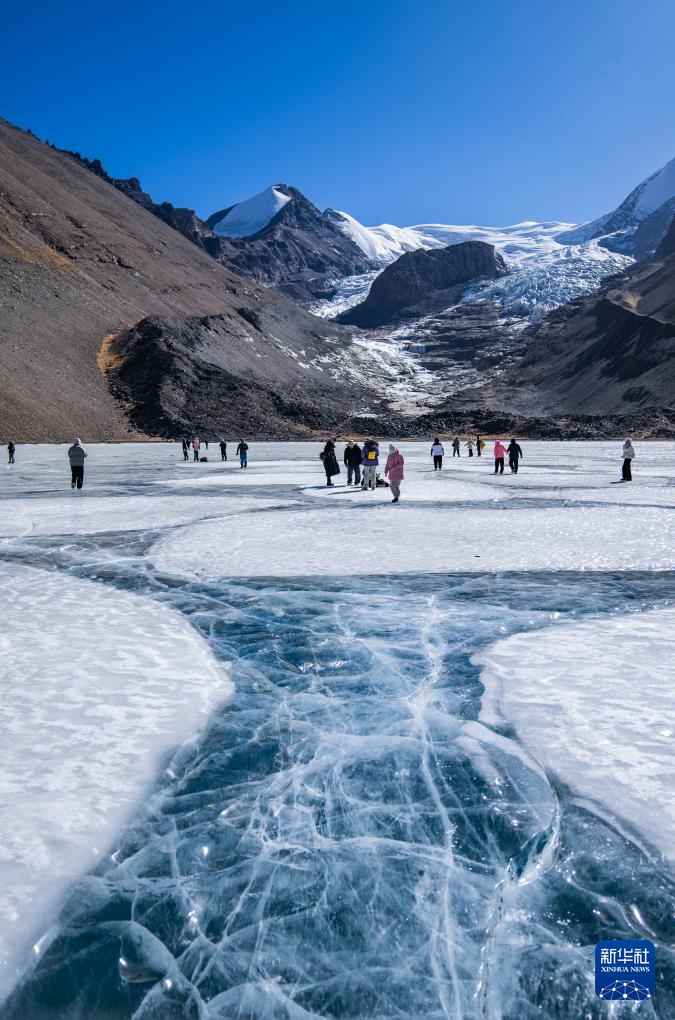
x,y
470,445
628,455
437,452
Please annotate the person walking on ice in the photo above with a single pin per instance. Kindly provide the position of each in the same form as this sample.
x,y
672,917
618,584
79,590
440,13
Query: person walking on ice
x,y
469,445
352,459
515,452
500,453
437,452
479,445
186,449
628,457
11,450
393,470
370,459
455,447
223,449
196,446
76,455
242,453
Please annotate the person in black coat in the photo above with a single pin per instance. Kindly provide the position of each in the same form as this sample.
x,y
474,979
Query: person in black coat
x,y
223,449
352,461
11,449
515,453
330,464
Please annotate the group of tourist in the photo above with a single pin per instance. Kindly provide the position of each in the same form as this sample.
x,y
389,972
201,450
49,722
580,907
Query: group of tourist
x,y
361,462
195,444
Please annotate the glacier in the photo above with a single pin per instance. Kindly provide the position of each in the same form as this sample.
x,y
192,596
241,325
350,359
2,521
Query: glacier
x,y
548,265
330,804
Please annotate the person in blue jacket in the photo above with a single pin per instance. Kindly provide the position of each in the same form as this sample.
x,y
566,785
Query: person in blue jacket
x,y
370,454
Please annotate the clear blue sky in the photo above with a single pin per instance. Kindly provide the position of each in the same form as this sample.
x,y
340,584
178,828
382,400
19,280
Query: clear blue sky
x,y
406,111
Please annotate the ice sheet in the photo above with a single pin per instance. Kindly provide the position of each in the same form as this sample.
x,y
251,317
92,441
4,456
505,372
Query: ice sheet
x,y
378,538
593,701
97,685
78,515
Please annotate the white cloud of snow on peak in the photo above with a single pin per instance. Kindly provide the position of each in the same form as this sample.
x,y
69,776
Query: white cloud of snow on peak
x,y
247,218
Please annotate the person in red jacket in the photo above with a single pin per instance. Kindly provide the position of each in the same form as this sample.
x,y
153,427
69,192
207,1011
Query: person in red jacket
x,y
500,453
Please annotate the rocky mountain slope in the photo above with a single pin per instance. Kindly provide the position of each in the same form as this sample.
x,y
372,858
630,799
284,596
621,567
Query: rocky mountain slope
x,y
81,264
277,238
421,282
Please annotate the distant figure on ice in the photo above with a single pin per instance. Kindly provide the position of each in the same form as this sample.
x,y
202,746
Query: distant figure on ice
x,y
330,462
186,449
11,449
242,453
499,451
223,449
76,455
196,447
437,452
469,445
515,453
479,445
628,455
455,447
394,471
206,443
370,458
352,459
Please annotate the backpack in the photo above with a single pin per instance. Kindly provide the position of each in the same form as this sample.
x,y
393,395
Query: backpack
x,y
372,455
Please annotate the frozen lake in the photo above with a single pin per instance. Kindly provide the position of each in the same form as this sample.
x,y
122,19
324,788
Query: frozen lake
x,y
273,750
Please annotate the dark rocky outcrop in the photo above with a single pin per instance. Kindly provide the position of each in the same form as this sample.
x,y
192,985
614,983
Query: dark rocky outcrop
x,y
424,281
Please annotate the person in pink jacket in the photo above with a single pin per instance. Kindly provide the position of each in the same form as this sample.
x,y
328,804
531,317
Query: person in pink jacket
x,y
500,453
394,471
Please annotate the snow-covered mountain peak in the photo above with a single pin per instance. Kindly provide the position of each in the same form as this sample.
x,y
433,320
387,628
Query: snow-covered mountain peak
x,y
656,190
652,198
249,217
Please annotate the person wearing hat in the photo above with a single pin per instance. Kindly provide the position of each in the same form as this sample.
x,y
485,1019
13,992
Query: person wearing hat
x,y
394,471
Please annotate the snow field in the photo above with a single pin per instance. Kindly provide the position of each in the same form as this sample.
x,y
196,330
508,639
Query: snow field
x,y
97,686
593,702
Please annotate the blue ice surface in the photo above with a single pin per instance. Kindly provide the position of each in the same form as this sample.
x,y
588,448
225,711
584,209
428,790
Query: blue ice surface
x,y
333,846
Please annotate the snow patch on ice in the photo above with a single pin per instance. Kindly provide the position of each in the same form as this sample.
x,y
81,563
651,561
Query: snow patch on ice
x,y
97,685
414,539
593,702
